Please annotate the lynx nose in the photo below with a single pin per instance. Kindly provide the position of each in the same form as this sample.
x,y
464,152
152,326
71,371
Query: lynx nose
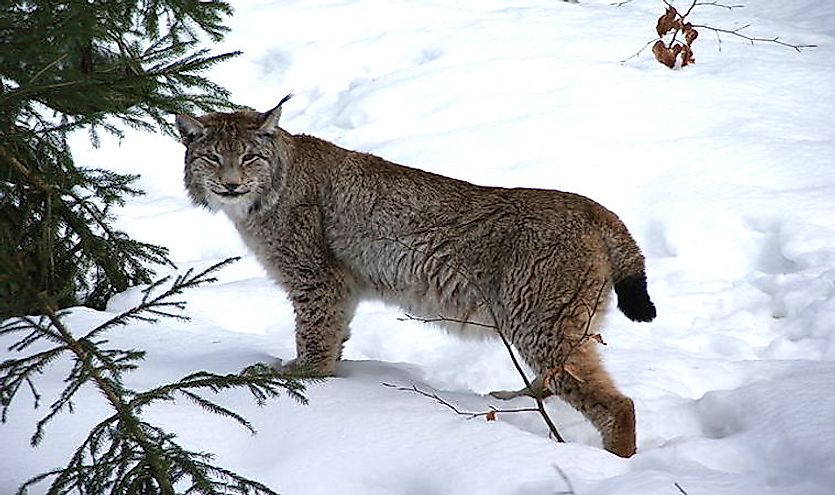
x,y
231,178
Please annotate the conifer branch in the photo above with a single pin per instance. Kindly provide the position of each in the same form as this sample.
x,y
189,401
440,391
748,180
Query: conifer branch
x,y
123,453
112,392
129,64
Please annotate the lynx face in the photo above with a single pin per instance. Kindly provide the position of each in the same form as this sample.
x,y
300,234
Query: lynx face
x,y
231,161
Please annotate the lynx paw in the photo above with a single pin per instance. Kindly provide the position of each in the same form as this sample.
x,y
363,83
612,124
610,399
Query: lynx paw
x,y
306,368
620,437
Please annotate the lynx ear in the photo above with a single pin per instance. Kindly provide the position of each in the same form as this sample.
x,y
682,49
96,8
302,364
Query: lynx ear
x,y
189,127
269,124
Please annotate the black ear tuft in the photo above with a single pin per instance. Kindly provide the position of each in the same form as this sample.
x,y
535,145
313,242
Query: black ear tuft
x,y
284,100
270,118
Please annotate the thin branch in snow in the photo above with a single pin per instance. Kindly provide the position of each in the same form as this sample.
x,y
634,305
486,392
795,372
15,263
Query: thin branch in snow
x,y
444,319
738,32
489,415
540,405
638,53
676,53
721,5
567,481
680,489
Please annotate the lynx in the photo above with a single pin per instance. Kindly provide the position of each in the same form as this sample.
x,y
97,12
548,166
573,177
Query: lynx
x,y
334,227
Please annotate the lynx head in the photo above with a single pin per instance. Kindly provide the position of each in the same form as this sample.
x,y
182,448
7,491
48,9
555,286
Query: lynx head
x,y
234,161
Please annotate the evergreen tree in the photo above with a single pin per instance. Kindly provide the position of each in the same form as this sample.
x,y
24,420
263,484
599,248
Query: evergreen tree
x,y
124,454
68,65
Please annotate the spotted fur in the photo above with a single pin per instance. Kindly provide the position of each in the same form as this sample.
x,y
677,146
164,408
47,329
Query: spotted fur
x,y
334,226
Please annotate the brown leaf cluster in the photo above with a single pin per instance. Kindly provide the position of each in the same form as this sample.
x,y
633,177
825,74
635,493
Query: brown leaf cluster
x,y
667,22
675,52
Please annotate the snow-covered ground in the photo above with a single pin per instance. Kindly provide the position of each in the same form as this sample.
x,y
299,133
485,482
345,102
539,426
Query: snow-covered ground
x,y
724,172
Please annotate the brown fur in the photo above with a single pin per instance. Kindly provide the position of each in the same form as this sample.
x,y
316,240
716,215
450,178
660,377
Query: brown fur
x,y
334,226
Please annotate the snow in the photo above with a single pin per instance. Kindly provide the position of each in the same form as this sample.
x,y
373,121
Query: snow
x,y
723,172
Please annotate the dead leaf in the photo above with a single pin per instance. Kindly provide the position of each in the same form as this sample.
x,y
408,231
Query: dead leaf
x,y
690,35
663,54
571,370
490,416
687,56
548,377
667,22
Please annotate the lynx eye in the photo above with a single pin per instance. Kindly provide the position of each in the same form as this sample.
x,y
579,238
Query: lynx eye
x,y
212,159
249,158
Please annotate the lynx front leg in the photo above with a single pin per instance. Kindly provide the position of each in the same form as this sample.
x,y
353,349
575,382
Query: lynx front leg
x,y
323,311
322,292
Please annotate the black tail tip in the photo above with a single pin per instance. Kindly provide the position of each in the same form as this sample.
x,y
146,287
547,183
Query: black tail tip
x,y
633,298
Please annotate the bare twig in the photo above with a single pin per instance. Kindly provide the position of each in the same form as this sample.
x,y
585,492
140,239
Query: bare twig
x,y
679,53
540,405
680,489
720,5
567,482
444,319
638,53
489,414
737,32
689,9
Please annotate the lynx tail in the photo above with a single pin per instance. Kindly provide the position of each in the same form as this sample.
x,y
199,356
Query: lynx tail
x,y
633,298
628,269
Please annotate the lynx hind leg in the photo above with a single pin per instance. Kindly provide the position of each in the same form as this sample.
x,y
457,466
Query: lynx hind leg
x,y
587,387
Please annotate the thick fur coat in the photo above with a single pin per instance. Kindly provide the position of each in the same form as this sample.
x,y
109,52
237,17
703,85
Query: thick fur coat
x,y
334,226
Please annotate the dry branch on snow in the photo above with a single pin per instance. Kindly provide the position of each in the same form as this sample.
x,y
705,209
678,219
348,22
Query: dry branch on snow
x,y
676,34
